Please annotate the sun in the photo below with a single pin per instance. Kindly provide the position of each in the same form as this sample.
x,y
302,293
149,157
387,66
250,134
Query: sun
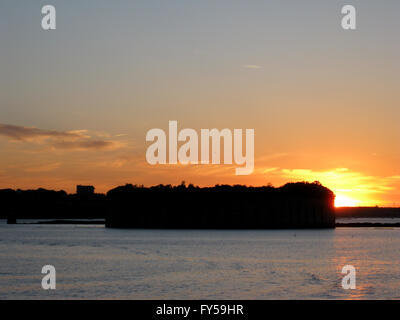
x,y
343,201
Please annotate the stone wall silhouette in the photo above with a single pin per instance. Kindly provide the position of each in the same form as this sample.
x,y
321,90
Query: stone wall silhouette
x,y
296,205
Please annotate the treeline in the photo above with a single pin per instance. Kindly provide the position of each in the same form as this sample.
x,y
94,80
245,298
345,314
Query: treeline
x,y
294,205
50,204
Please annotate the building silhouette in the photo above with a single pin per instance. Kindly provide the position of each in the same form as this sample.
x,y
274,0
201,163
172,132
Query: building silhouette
x,y
84,190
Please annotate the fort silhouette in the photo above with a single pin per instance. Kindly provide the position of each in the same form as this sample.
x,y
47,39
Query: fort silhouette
x,y
294,205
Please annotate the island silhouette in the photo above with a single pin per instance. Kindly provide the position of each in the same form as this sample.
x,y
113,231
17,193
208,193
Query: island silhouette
x,y
294,205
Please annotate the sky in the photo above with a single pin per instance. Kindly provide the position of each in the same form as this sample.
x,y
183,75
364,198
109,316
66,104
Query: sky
x,y
76,102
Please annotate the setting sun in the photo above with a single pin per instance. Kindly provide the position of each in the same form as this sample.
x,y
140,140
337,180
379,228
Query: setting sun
x,y
343,201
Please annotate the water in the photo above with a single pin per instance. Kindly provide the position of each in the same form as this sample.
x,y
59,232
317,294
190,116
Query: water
x,y
93,262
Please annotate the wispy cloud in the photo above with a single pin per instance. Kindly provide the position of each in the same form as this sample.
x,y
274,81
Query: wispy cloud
x,y
29,133
273,156
252,66
70,140
85,145
44,168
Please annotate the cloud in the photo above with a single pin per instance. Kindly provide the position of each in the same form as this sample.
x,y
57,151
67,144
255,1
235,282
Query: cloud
x,y
44,168
29,133
274,156
69,140
85,145
252,66
269,170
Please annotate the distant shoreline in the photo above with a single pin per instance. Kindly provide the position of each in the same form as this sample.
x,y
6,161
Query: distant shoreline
x,y
293,205
66,221
102,222
367,225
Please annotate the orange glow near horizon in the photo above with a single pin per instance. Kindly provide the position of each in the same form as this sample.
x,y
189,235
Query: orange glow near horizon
x,y
344,201
352,188
107,171
323,104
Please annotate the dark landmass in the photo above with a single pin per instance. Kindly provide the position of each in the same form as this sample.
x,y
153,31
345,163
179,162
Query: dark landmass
x,y
367,212
294,205
337,225
367,225
100,222
50,204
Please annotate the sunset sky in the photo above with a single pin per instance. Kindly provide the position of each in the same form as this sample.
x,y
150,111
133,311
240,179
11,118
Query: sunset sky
x,y
76,103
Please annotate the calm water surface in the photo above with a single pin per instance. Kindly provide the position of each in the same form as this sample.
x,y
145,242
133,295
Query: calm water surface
x,y
97,263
